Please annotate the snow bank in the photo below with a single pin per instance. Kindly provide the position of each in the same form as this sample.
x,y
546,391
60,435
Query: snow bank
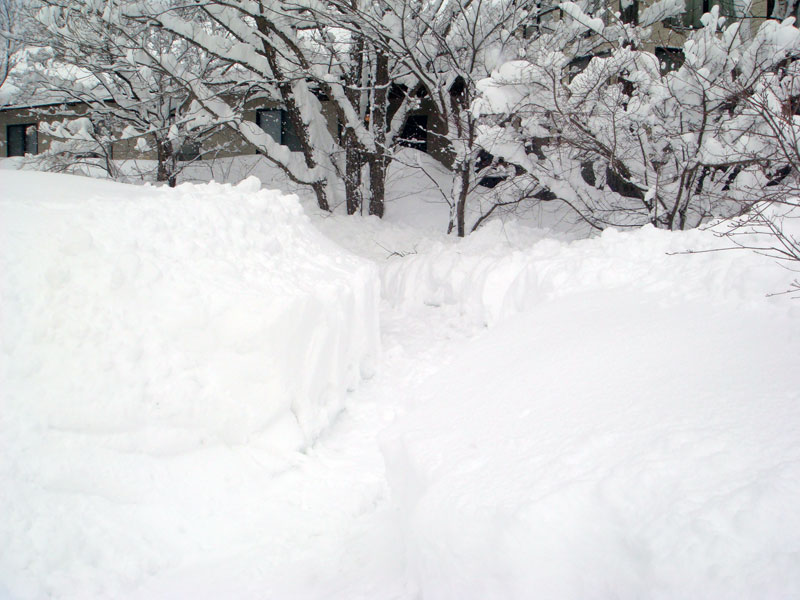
x,y
148,333
626,429
608,445
213,309
503,270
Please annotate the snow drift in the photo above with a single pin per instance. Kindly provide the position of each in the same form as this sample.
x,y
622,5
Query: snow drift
x,y
163,353
627,429
215,311
506,269
615,448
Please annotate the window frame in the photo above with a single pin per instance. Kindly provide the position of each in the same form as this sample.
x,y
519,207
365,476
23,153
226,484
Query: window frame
x,y
288,136
727,8
631,13
29,137
189,151
669,58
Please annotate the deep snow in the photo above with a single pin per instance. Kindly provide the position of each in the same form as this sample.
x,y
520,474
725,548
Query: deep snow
x,y
611,445
627,425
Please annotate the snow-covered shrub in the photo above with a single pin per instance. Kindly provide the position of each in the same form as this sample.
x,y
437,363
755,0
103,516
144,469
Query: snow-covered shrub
x,y
98,72
627,142
81,146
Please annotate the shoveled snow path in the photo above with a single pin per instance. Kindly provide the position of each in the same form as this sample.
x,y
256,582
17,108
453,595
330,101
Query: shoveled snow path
x,y
326,527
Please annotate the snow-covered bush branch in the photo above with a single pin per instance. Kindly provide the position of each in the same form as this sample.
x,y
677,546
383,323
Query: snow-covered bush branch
x,y
627,142
94,68
315,62
10,39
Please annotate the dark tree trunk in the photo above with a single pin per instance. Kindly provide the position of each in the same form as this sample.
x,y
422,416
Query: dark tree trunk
x,y
353,156
377,184
354,161
461,202
284,86
379,162
166,162
464,167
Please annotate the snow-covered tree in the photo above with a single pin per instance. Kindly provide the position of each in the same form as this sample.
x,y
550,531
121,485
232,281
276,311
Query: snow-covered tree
x,y
627,141
770,195
446,48
110,93
367,63
11,35
315,61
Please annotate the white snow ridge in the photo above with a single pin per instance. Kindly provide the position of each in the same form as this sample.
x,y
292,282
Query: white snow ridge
x,y
154,306
141,324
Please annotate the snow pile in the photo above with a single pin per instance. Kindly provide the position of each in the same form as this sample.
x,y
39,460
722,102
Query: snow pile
x,y
608,445
212,310
147,333
626,429
506,269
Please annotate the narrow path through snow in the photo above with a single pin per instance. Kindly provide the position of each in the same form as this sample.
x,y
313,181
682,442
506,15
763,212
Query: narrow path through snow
x,y
325,528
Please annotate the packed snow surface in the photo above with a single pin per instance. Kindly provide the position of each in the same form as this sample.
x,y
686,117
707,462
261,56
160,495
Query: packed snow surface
x,y
630,428
607,446
175,366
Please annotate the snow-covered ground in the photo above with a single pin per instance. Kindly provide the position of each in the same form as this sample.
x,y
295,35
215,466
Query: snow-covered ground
x,y
607,446
195,404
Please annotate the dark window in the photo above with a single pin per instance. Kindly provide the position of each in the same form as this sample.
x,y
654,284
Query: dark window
x,y
485,162
458,86
669,59
275,121
579,63
533,27
289,134
531,31
630,13
415,133
189,151
694,10
22,139
697,8
270,121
